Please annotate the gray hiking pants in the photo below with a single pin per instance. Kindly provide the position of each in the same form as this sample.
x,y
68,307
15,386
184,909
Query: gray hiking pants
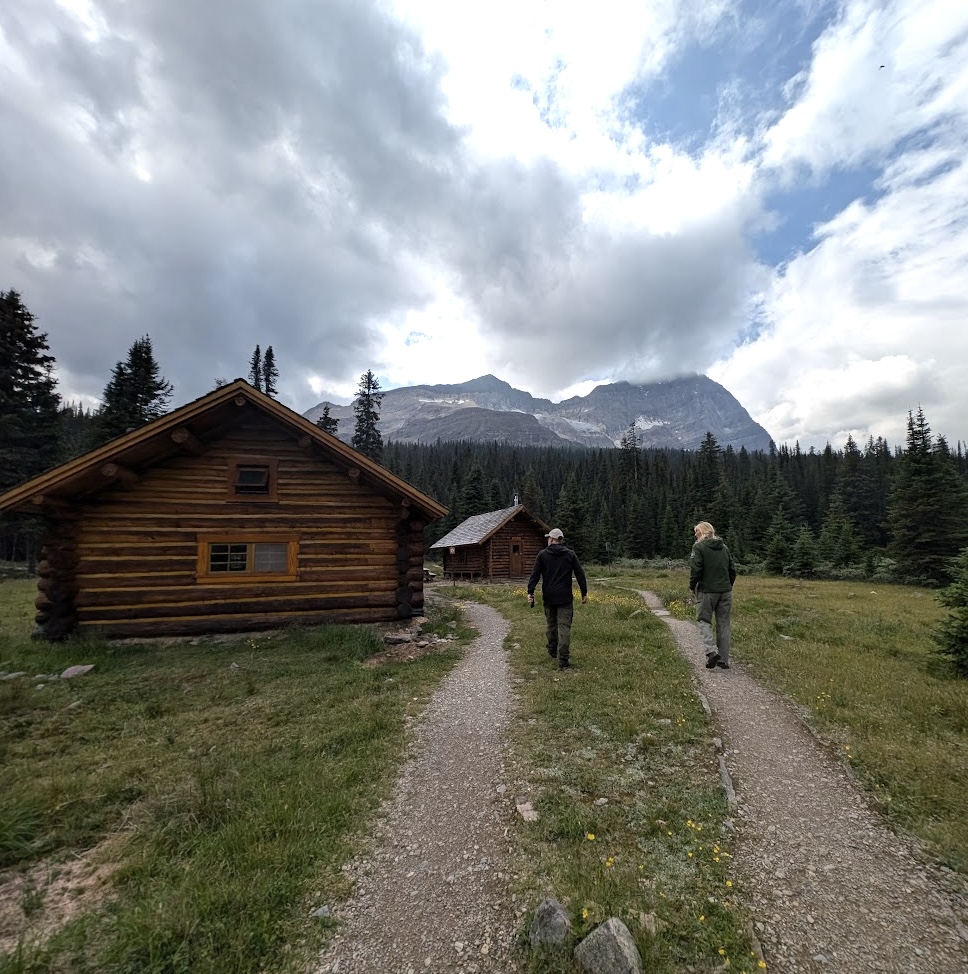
x,y
558,629
716,604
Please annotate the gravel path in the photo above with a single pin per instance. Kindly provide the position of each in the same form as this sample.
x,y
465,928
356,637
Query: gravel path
x,y
433,896
832,887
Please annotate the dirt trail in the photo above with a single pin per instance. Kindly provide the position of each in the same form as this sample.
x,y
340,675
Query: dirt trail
x,y
832,887
433,895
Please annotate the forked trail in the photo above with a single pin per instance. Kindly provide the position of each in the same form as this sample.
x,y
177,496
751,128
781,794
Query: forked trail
x,y
833,888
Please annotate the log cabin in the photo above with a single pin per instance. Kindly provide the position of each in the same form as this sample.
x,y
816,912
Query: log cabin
x,y
230,514
497,545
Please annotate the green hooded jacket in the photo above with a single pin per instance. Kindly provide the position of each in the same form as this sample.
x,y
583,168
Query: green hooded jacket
x,y
711,567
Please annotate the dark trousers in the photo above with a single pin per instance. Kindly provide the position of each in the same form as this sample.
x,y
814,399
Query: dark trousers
x,y
718,605
558,630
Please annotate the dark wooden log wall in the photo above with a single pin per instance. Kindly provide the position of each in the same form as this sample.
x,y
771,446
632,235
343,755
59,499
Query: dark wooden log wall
x,y
498,555
467,561
360,554
492,559
57,589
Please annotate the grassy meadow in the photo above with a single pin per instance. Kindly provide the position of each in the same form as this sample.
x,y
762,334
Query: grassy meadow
x,y
221,785
858,660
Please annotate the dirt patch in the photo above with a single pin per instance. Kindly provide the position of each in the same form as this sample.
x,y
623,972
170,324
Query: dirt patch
x,y
36,903
406,652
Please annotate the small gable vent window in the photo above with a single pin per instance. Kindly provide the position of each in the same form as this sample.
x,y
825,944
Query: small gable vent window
x,y
222,559
253,480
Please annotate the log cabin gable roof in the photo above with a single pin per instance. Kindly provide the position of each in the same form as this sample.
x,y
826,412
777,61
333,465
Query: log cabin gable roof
x,y
478,529
185,431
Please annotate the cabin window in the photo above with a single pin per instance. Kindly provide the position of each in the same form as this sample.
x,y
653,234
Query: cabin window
x,y
253,479
244,559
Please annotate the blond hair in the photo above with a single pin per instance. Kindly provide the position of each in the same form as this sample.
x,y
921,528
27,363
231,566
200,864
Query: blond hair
x,y
705,530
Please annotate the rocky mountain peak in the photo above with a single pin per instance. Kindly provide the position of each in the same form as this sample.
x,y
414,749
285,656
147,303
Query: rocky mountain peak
x,y
676,413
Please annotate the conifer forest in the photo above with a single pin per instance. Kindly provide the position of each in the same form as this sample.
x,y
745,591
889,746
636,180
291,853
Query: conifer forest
x,y
875,510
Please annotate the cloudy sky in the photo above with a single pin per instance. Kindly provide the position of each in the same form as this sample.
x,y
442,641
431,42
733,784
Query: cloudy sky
x,y
561,193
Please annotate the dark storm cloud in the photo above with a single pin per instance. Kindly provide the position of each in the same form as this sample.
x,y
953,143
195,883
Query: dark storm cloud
x,y
289,148
571,301
233,172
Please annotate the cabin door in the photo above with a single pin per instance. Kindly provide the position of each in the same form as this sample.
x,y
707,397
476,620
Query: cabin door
x,y
517,558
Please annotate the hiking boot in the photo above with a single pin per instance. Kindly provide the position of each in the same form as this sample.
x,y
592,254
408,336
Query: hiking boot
x,y
563,664
712,661
553,653
722,664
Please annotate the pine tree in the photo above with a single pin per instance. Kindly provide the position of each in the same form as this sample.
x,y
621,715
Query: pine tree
x,y
708,462
927,504
803,557
531,494
778,545
29,404
630,458
329,424
952,632
255,369
137,393
838,541
270,373
366,436
473,497
571,516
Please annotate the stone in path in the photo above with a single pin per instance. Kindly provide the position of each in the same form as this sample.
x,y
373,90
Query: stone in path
x,y
834,889
434,894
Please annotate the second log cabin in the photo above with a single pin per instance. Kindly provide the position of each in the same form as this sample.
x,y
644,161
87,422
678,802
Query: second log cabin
x,y
496,545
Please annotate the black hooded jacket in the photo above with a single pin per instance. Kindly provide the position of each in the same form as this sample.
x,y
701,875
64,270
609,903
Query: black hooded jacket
x,y
554,566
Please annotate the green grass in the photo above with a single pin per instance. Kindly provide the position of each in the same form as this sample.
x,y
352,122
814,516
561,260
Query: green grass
x,y
235,779
625,726
859,661
232,795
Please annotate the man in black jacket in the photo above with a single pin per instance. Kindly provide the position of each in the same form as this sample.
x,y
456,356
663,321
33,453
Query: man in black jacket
x,y
554,566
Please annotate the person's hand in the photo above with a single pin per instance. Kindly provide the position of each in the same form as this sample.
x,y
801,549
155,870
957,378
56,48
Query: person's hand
x,y
531,601
584,600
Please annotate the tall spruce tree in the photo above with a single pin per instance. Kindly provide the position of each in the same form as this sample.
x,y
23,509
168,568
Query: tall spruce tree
x,y
270,373
255,368
952,632
473,496
927,505
29,404
531,495
366,436
137,393
329,424
630,458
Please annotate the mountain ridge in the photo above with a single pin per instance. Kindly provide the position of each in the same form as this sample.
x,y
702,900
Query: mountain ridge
x,y
676,413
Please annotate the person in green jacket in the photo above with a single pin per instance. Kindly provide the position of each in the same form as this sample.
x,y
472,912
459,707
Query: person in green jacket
x,y
711,577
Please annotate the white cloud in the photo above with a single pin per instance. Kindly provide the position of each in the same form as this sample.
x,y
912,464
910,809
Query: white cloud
x,y
881,73
870,323
469,193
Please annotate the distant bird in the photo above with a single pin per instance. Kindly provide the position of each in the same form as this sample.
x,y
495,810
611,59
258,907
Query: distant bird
x,y
881,67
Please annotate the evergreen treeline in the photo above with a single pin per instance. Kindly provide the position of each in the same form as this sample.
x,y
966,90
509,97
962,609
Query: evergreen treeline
x,y
899,514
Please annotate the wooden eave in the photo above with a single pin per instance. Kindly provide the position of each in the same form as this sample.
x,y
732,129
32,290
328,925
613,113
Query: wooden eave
x,y
186,430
